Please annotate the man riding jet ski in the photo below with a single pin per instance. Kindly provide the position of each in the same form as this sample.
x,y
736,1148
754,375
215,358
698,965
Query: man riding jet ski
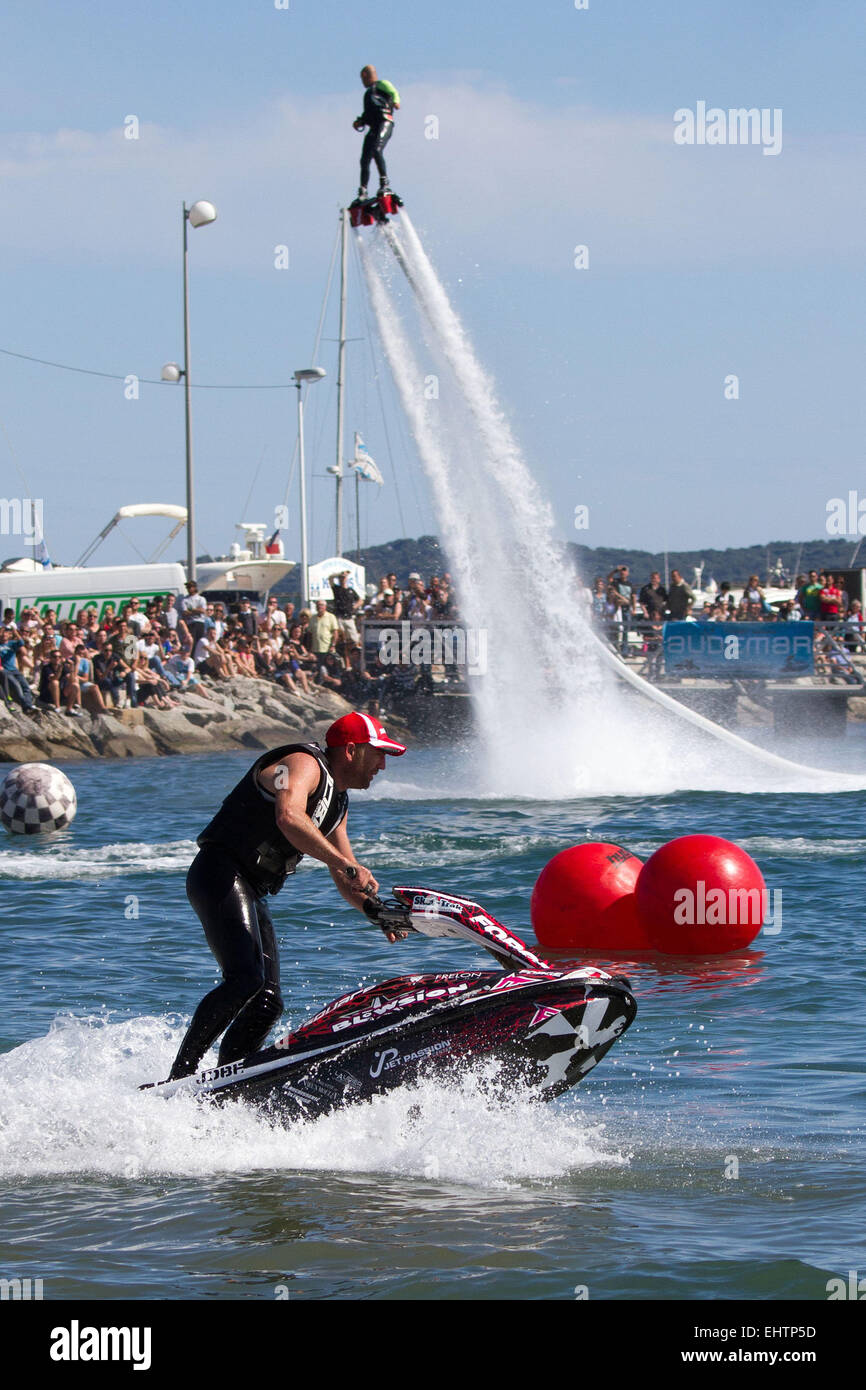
x,y
545,1028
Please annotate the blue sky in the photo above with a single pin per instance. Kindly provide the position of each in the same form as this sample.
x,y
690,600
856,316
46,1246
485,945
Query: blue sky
x,y
555,130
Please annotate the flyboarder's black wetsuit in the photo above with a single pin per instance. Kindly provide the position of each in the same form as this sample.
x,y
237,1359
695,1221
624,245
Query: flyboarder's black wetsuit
x,y
380,99
243,856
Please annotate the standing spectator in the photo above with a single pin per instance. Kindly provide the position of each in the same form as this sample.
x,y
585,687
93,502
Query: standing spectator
x,y
346,604
193,608
620,586
124,647
809,598
680,597
653,598
323,628
830,600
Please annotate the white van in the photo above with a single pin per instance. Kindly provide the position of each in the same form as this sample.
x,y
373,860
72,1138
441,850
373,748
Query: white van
x,y
25,584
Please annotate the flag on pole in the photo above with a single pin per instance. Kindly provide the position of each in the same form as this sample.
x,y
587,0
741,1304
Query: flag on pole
x,y
40,554
363,464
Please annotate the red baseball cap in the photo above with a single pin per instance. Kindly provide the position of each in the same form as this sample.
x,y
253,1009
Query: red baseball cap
x,y
361,728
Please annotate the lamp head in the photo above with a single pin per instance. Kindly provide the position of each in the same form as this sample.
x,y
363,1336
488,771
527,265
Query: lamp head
x,y
201,213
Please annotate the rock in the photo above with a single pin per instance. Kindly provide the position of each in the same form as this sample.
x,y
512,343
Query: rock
x,y
242,713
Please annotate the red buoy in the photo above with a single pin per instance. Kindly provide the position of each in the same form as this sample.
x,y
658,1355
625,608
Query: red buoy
x,y
700,895
585,898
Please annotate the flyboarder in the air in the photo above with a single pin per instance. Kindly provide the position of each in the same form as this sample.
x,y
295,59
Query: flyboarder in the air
x,y
381,100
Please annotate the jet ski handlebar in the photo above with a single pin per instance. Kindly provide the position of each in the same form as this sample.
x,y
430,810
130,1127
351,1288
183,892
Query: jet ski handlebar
x,y
389,914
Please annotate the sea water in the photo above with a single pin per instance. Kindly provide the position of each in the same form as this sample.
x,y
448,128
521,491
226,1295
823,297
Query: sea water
x,y
716,1152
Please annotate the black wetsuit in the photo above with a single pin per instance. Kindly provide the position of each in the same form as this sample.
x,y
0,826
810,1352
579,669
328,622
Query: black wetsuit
x,y
378,117
242,857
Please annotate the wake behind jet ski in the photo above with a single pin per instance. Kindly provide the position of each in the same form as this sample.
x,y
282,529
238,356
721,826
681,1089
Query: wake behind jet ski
x,y
546,1028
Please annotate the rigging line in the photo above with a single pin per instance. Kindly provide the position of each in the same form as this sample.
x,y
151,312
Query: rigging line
x,y
143,380
255,479
364,308
15,459
323,311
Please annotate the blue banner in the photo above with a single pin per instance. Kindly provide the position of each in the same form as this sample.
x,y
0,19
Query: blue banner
x,y
739,649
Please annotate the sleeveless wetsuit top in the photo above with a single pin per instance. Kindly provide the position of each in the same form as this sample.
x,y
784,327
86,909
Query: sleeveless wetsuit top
x,y
245,826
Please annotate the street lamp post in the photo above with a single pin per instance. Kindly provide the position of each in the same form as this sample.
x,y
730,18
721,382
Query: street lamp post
x,y
199,215
309,374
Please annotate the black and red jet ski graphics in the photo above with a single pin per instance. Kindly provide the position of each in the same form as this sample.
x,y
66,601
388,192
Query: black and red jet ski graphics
x,y
365,211
545,1028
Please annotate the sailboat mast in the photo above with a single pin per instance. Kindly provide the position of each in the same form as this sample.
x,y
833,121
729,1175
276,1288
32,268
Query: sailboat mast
x,y
341,372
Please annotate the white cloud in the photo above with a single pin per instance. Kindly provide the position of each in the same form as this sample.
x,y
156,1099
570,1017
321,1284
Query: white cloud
x,y
517,183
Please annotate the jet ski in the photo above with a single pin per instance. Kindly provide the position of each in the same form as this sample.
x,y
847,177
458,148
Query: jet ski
x,y
363,212
546,1028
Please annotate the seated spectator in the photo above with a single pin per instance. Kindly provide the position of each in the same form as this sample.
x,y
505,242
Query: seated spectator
x,y
403,681
151,690
853,629
418,609
180,669
330,672
91,695
388,606
13,685
213,660
57,681
298,650
443,605
831,657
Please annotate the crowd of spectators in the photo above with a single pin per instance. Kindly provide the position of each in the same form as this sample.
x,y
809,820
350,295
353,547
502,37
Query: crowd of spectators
x,y
634,617
148,653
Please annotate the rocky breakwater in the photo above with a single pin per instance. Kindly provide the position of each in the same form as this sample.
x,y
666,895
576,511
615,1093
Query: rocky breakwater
x,y
241,713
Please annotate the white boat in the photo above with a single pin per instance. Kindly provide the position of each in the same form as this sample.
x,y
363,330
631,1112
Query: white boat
x,y
251,568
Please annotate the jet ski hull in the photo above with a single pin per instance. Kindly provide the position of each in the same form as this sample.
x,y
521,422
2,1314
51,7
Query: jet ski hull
x,y
544,1037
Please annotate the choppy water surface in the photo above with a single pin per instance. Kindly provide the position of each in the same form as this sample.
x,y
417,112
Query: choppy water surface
x,y
750,1065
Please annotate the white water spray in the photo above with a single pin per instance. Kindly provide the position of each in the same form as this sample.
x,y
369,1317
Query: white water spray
x,y
555,716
